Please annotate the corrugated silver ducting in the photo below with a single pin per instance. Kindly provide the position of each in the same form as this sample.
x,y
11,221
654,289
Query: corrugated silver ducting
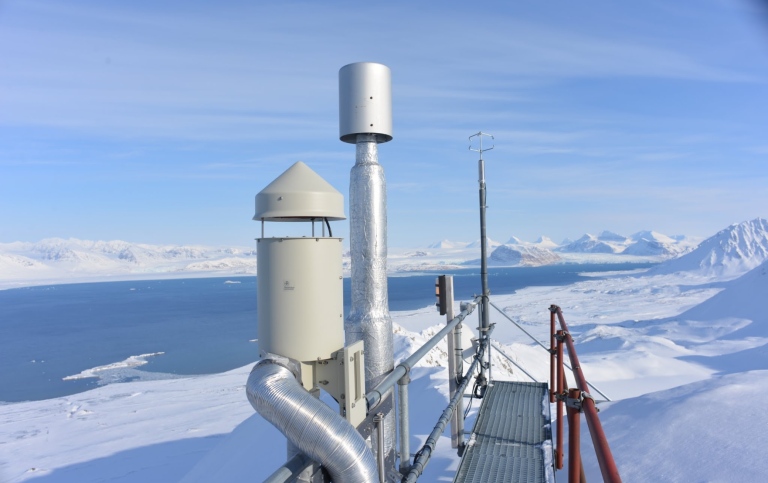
x,y
309,424
369,318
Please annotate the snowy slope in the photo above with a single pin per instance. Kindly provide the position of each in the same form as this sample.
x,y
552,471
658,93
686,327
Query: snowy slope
x,y
611,237
590,244
448,244
729,253
705,431
522,256
56,260
545,242
651,243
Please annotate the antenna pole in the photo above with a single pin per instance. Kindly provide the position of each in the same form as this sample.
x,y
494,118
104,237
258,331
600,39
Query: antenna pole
x,y
485,307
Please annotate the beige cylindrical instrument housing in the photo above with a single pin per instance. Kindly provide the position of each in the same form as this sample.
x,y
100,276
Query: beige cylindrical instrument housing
x,y
300,299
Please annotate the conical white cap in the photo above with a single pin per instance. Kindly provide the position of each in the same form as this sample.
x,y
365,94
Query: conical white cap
x,y
299,194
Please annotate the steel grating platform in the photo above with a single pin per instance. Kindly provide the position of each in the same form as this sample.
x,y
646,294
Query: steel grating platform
x,y
507,443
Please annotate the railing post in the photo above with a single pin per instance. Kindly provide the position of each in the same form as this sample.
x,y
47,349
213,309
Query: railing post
x,y
455,364
560,395
608,467
552,351
404,423
574,436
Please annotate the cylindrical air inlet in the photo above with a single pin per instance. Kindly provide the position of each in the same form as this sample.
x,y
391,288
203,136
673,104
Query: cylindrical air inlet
x,y
365,118
365,101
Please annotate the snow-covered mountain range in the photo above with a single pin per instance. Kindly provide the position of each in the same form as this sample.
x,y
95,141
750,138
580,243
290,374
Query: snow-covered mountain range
x,y
643,243
732,251
57,260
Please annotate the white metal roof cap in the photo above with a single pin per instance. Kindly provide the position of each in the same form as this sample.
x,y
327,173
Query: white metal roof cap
x,y
299,194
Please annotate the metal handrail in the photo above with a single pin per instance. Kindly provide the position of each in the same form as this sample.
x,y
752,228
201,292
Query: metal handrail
x,y
587,404
543,346
374,396
290,469
425,453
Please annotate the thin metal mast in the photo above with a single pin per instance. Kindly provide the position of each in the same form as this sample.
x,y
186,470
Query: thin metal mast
x,y
485,306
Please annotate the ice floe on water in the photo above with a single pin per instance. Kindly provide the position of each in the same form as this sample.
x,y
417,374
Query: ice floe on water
x,y
116,370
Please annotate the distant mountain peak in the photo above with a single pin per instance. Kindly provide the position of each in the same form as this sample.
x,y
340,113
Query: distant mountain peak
x,y
448,244
545,242
610,236
731,251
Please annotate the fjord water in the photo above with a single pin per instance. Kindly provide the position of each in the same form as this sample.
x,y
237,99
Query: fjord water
x,y
201,326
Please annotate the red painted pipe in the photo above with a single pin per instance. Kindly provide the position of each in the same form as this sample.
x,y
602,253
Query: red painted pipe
x,y
603,451
574,439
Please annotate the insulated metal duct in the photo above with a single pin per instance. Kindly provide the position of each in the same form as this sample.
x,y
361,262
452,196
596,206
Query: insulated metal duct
x,y
309,424
365,118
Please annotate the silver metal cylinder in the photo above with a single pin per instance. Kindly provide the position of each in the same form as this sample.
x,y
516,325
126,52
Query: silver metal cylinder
x,y
365,101
369,318
404,423
378,420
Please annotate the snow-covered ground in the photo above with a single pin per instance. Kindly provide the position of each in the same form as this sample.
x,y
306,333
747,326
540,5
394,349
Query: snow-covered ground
x,y
683,355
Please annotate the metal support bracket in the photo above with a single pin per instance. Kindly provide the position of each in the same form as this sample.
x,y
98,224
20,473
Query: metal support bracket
x,y
562,337
343,377
577,403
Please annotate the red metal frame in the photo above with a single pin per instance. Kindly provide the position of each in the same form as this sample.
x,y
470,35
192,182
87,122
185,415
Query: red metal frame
x,y
574,438
604,456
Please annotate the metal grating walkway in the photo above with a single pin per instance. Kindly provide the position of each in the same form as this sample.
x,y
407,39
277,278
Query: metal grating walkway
x,y
507,442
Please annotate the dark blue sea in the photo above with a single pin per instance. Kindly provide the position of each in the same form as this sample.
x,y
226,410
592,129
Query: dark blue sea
x,y
201,326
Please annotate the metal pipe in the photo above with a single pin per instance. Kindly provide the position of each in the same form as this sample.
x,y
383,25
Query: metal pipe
x,y
306,475
369,318
559,396
459,366
604,456
552,351
403,419
425,453
290,469
574,438
309,423
378,420
453,377
374,396
485,313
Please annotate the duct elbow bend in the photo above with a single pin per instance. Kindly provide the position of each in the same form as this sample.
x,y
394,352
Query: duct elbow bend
x,y
316,429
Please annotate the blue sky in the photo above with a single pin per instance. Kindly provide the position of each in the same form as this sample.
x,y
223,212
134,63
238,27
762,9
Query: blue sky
x,y
158,122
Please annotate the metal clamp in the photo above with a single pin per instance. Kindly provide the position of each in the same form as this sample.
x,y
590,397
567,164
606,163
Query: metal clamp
x,y
578,403
562,336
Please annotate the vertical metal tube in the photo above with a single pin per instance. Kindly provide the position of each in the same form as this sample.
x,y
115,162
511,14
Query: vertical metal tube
x,y
560,375
452,372
574,439
369,318
378,421
552,351
459,366
485,323
403,420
